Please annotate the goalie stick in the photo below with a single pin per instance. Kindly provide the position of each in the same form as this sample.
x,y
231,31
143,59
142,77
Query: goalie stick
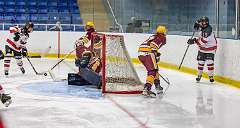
x,y
66,56
50,71
37,73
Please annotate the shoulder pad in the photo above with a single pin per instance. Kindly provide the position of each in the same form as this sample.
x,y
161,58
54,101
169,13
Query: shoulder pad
x,y
14,29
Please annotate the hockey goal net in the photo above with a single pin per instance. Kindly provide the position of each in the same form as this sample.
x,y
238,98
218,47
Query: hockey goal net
x,y
118,73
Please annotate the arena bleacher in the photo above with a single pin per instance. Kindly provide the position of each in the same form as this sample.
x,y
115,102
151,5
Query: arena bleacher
x,y
43,13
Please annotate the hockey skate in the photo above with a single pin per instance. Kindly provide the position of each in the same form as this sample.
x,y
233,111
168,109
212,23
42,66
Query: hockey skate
x,y
22,70
6,99
211,79
198,78
159,89
148,93
6,72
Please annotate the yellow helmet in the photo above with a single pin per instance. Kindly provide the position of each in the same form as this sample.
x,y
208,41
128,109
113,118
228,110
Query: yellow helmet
x,y
161,29
90,24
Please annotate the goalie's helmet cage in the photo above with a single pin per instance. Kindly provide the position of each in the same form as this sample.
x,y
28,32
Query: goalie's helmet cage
x,y
118,73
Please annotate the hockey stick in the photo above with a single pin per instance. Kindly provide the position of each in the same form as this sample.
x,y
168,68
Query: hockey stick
x,y
37,73
185,52
50,71
165,79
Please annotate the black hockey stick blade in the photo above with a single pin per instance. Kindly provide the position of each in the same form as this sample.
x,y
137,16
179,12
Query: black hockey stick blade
x,y
165,79
37,73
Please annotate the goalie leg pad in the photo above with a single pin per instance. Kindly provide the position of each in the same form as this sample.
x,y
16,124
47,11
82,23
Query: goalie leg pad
x,y
90,76
75,79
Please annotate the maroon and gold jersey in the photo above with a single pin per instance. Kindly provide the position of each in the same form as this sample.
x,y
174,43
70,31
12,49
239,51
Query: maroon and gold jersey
x,y
95,64
84,43
153,43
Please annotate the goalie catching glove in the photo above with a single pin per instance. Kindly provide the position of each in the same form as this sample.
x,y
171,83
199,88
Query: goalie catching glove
x,y
24,52
84,60
82,41
157,56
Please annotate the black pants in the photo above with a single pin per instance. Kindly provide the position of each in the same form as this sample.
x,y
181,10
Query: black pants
x,y
205,56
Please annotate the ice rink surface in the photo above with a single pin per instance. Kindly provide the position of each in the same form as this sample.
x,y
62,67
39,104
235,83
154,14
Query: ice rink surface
x,y
39,102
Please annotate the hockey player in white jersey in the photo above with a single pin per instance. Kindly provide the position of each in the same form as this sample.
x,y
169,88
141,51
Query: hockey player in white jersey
x,y
207,45
5,98
16,45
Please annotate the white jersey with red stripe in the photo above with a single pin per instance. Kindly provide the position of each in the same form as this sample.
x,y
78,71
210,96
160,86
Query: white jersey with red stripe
x,y
207,42
21,42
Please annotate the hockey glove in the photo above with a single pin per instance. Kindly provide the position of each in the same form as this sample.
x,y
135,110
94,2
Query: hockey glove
x,y
24,52
191,41
157,56
1,55
77,62
16,36
196,26
84,61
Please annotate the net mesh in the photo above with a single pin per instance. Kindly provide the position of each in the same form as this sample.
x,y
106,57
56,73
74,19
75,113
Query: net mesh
x,y
118,72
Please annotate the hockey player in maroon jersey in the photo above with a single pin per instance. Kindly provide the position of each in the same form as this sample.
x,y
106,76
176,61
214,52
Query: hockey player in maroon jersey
x,y
149,56
207,46
84,42
16,45
84,49
5,98
88,62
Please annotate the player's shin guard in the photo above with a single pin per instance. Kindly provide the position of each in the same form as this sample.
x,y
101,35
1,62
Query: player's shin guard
x,y
210,65
7,61
20,64
200,70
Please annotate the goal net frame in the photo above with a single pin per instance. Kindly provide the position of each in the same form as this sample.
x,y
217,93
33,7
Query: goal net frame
x,y
105,59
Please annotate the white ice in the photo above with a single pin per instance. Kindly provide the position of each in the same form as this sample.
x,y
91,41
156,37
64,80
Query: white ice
x,y
38,102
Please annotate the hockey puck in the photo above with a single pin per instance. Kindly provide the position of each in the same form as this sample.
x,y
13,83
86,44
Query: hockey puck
x,y
45,74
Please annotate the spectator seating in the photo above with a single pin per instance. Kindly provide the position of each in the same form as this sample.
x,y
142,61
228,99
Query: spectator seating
x,y
40,12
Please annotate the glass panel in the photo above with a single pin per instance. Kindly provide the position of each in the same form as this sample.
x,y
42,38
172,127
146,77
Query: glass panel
x,y
227,19
144,16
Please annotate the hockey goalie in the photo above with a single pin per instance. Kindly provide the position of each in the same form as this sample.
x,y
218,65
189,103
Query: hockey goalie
x,y
88,62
